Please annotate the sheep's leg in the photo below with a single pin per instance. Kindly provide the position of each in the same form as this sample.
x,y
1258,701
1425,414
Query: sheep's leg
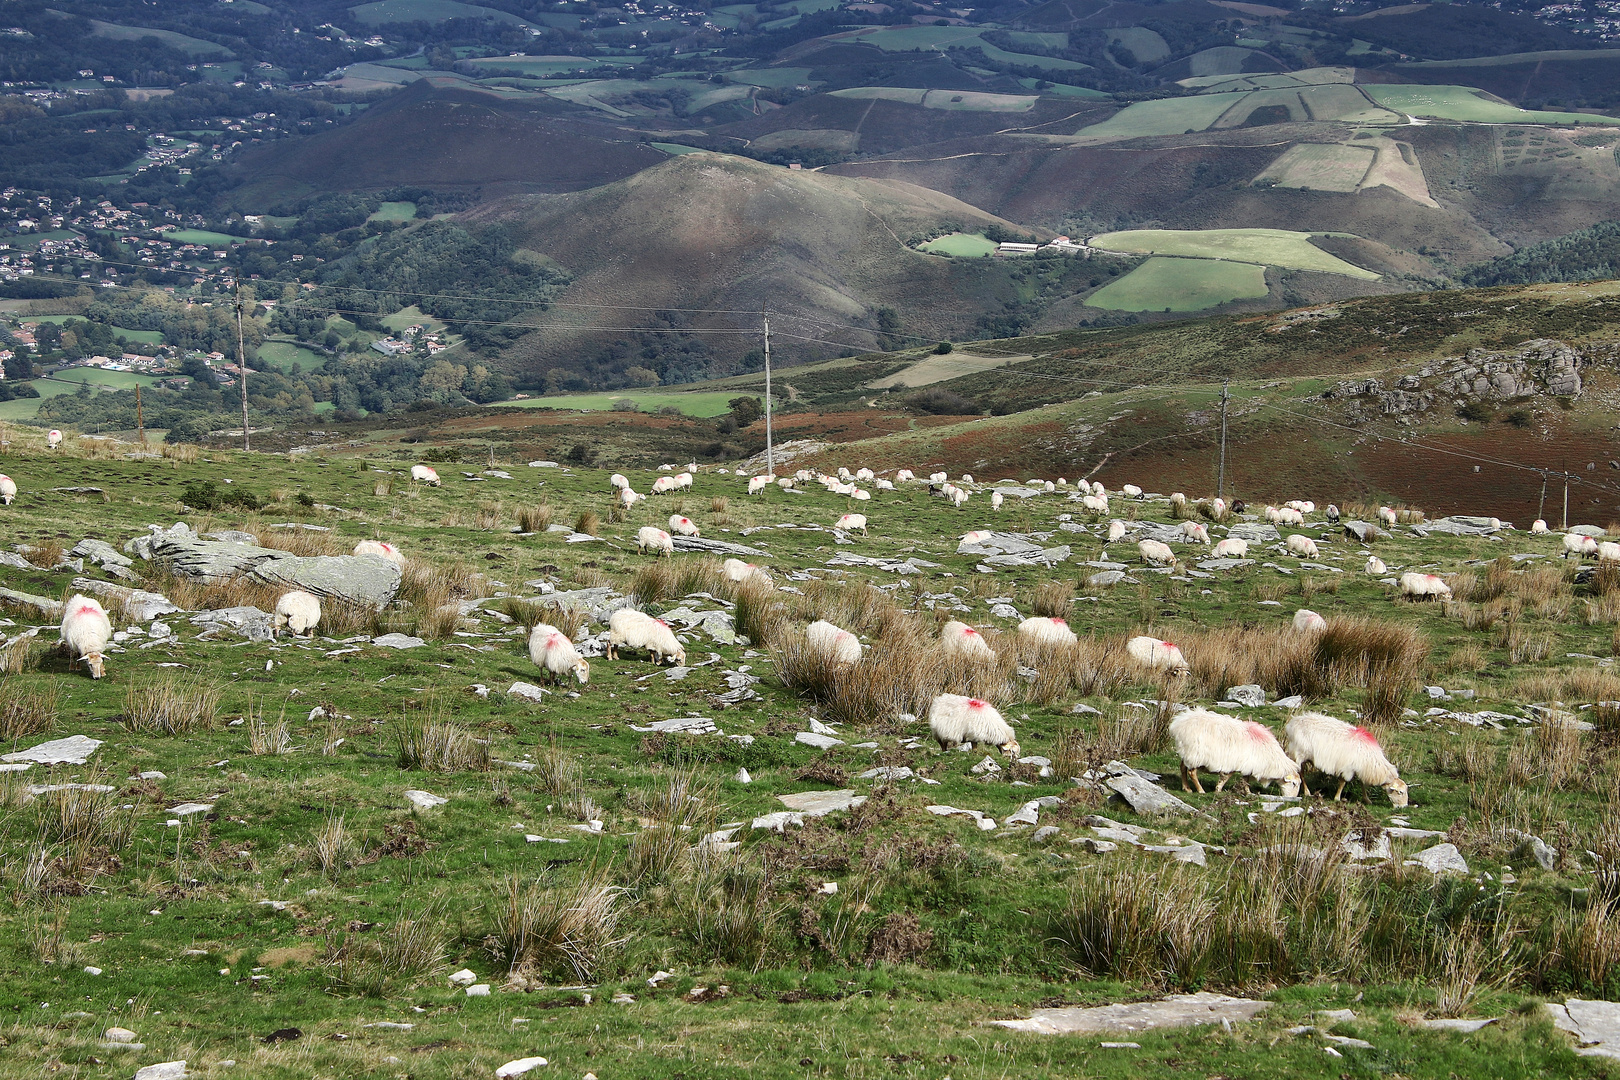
x,y
1224,778
1339,792
1303,790
1185,784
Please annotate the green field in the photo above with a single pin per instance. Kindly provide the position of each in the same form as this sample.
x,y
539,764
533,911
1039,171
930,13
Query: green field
x,y
1161,284
552,65
180,42
696,403
394,211
1465,104
677,148
202,236
776,78
1167,116
1270,247
118,380
962,245
283,354
394,11
145,337
1062,89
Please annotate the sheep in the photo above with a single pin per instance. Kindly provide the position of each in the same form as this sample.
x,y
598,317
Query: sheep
x,y
1303,546
1333,514
1116,530
976,536
1307,621
995,499
683,526
53,439
1538,526
883,485
1157,655
632,629
1044,630
85,633
1095,504
1226,745
851,522
959,496
683,481
425,474
742,572
955,720
1338,749
864,474
629,498
938,478
8,489
1096,488
1608,552
1375,566
904,476
618,481
1233,547
1178,501
655,540
967,478
1131,491
958,640
298,611
1419,586
1387,517
861,495
663,485
381,550
1217,508
837,644
553,653
1194,532
1156,553
1289,516
757,484
1578,545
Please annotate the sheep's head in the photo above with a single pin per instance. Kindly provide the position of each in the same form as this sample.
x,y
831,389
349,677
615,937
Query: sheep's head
x,y
1290,784
582,672
97,663
277,623
1010,748
1398,795
678,656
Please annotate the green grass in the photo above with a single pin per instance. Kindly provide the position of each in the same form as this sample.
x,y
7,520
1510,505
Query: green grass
x,y
1162,284
202,236
180,42
391,11
120,380
690,404
677,148
551,65
1167,116
777,78
1468,105
283,354
1062,89
394,211
962,245
1271,247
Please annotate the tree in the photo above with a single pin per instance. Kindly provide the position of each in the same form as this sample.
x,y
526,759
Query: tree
x,y
746,410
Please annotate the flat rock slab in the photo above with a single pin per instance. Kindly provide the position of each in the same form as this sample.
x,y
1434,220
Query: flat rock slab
x,y
368,580
1596,1024
139,605
983,820
425,800
73,750
1178,1010
1147,798
1254,532
820,742
717,547
1000,544
50,609
1440,859
398,641
817,803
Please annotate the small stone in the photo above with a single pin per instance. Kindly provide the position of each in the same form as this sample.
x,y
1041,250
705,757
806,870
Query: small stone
x,y
163,1070
828,888
820,742
1465,1026
1292,701
987,767
1337,1016
478,990
527,691
92,971
1120,1046
424,800
464,977
520,1066
742,777
73,750
622,998
1095,846
398,641
1251,695
118,1035
1044,833
1440,859
659,976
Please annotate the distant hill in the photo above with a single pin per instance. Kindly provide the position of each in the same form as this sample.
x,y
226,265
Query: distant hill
x,y
1453,31
1586,255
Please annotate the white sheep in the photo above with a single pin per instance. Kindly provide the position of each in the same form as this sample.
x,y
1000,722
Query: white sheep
x,y
1195,532
863,474
995,499
425,474
683,526
1419,586
1217,508
1094,503
958,640
1116,530
663,485
1096,487
1375,566
1300,545
1341,750
959,496
904,475
8,489
1131,491
851,522
1047,630
1271,515
1157,655
381,550
757,484
837,644
1289,516
683,481
618,481
1387,517
1538,526
938,478
53,439
85,632
739,571
299,612
632,629
955,720
1178,501
1226,745
785,483
629,498
967,478
655,540
554,653
1156,553
1233,547
1579,545
1608,552
1307,621
861,495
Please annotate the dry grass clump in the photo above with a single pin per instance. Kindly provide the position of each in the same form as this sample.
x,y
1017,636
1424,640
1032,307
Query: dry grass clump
x,y
526,613
266,739
1584,685
588,522
192,594
535,519
719,504
413,946
305,542
1091,667
542,929
760,614
1550,757
1052,599
859,608
333,848
45,554
181,453
725,905
432,594
666,579
171,706
591,576
21,654
655,854
27,710
46,936
557,773
1130,733
435,745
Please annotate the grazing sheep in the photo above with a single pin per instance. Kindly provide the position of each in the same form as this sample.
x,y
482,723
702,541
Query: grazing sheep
x,y
739,571
632,629
1421,586
618,481
1578,545
1226,745
683,526
1116,531
995,499
1096,487
938,478
1307,621
955,720
1271,515
1303,546
663,485
757,484
904,476
851,522
1156,553
53,439
1232,547
1047,630
1387,517
861,495
1538,526
1178,501
1239,506
683,480
1333,514
1608,552
628,498
967,478
657,541
554,653
1157,655
85,633
976,536
883,485
425,474
381,550
299,612
1375,566
1289,516
1341,750
864,474
1131,491
837,644
8,489
958,640
1194,532
1217,508
1094,503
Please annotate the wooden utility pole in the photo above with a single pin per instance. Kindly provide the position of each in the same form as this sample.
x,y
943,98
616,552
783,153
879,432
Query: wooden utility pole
x,y
241,366
1542,505
1220,483
1566,502
140,419
770,458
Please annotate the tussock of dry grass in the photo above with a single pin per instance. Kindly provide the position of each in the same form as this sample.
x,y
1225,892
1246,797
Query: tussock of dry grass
x,y
1052,599
171,706
566,929
535,519
26,710
304,542
436,745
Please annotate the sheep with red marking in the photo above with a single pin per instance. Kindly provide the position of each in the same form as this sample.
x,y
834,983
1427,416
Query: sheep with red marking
x,y
1195,532
1226,746
1156,553
959,641
1416,586
954,720
683,526
1341,750
53,439
1538,526
837,644
381,550
851,522
1157,655
1047,630
632,629
425,474
1302,546
85,632
1387,517
1579,545
618,481
1307,621
551,650
8,489
1233,547
1116,530
740,572
655,540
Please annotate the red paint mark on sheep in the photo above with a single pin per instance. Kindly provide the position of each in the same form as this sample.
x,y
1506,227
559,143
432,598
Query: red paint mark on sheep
x,y
1364,735
975,703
